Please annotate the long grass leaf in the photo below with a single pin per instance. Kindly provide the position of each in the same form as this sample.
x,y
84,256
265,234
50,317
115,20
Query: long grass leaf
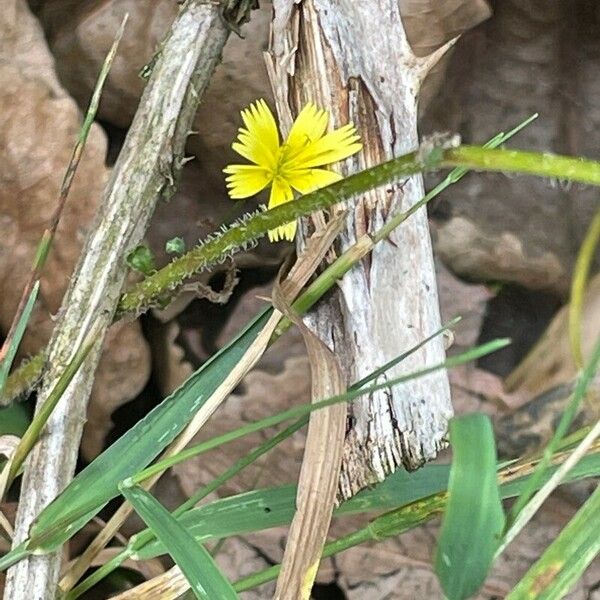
x,y
98,483
56,523
305,409
474,518
390,524
272,507
205,579
563,562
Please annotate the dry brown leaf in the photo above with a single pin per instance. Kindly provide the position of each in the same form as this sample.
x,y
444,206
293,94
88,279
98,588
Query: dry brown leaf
x,y
39,123
550,363
79,35
320,471
430,23
521,61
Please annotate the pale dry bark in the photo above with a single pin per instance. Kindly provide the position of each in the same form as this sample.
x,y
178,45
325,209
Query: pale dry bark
x,y
353,58
145,172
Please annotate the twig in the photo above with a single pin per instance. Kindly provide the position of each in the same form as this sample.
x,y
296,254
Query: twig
x,y
145,172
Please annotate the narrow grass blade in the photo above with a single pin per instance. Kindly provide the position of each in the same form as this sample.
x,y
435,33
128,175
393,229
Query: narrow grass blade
x,y
35,428
392,524
273,507
563,562
195,562
19,330
585,258
305,409
584,380
392,363
98,483
48,236
474,519
144,538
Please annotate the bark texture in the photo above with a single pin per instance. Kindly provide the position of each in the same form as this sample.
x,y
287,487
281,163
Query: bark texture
x,y
354,59
145,172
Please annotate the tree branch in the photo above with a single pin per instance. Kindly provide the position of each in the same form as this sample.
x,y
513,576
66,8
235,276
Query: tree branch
x,y
355,60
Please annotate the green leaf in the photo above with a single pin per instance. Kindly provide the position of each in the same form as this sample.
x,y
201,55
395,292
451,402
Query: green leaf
x,y
175,245
474,519
141,259
98,483
564,561
272,507
404,518
195,562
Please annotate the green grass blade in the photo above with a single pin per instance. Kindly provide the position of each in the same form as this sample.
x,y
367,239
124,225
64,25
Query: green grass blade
x,y
205,579
262,509
305,409
98,483
474,518
584,380
35,428
395,523
21,325
392,363
271,507
144,538
583,265
564,561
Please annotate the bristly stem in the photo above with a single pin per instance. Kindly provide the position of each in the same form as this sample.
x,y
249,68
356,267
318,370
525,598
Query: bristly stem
x,y
156,289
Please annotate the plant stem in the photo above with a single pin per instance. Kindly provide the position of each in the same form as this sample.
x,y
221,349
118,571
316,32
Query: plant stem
x,y
542,164
583,265
156,289
146,170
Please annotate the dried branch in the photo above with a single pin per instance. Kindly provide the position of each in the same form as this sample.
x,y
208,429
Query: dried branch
x,y
355,60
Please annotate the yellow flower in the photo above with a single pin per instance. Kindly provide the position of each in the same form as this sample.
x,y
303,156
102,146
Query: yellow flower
x,y
293,165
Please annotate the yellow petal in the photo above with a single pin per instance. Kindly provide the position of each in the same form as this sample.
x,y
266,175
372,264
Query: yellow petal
x,y
308,127
309,180
332,147
281,193
246,180
258,141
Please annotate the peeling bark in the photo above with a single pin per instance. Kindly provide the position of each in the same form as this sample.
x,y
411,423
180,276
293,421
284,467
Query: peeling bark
x,y
353,58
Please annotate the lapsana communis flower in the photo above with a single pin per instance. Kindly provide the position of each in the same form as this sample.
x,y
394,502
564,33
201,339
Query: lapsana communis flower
x,y
293,165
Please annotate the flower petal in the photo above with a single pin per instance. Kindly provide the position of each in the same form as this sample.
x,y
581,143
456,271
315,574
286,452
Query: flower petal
x,y
281,193
332,147
258,141
308,127
309,180
244,181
